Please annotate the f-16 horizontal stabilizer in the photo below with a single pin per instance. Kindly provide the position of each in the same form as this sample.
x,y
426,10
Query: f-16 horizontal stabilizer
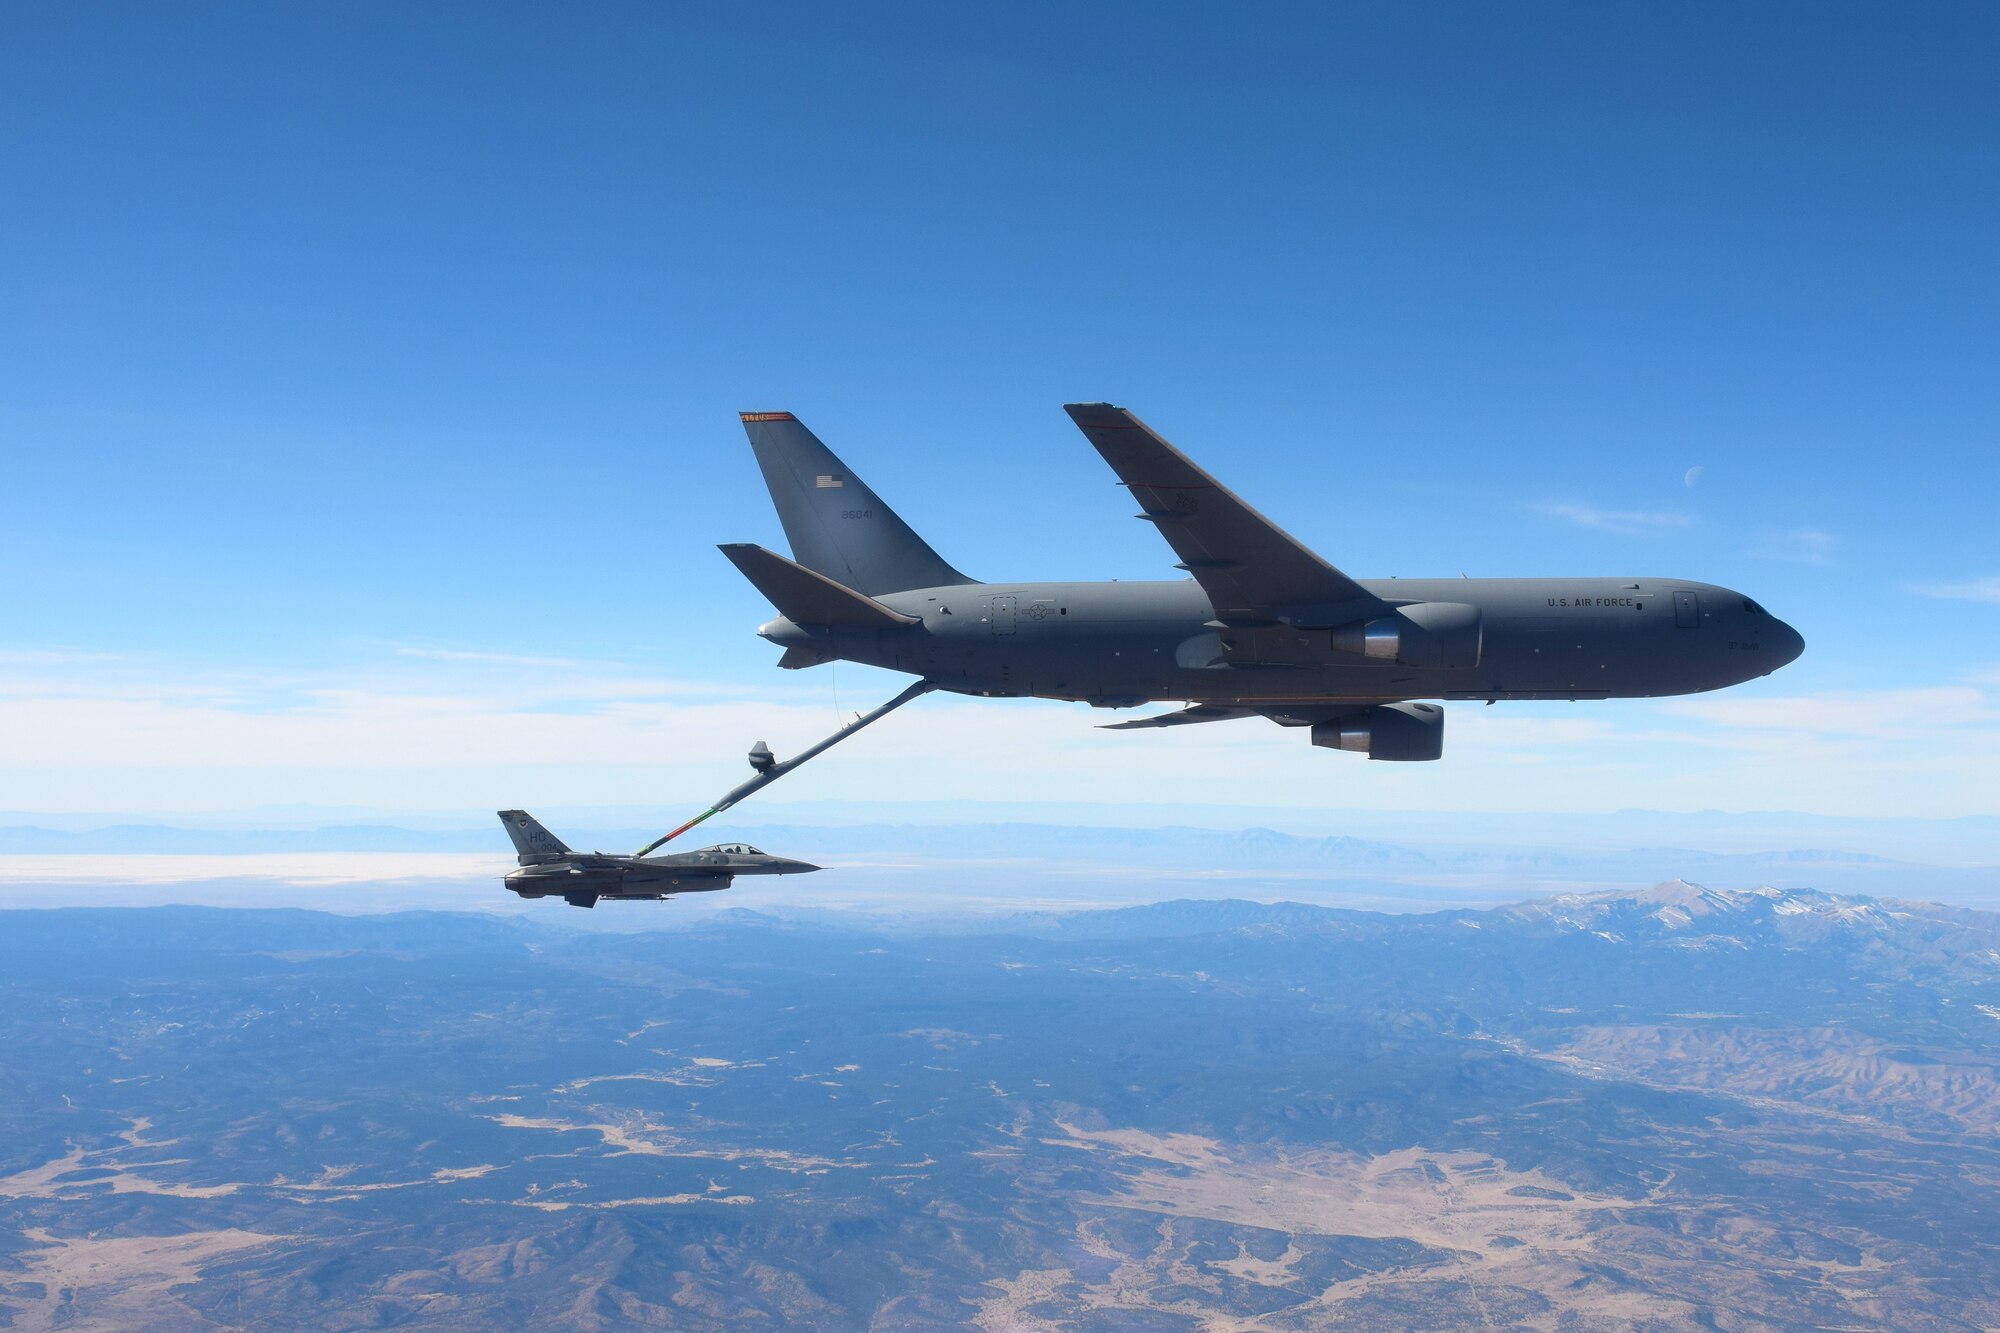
x,y
808,598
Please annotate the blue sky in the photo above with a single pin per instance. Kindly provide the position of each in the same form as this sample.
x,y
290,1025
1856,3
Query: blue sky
x,y
368,372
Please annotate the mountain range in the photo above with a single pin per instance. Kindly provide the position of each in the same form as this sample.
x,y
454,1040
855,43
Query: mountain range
x,y
1685,1106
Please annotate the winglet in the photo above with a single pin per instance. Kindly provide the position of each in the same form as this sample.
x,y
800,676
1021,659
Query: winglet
x,y
808,598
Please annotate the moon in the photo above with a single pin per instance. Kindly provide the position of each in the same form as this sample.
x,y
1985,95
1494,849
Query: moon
x,y
1694,475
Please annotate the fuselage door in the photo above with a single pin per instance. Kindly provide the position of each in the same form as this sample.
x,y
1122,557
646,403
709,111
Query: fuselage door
x,y
1003,615
1687,609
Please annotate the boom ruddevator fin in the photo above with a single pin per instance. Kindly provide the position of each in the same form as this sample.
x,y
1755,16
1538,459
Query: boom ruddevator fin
x,y
837,525
808,598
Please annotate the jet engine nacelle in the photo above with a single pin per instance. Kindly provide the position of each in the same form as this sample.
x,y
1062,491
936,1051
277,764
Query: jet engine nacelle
x,y
1422,634
1404,732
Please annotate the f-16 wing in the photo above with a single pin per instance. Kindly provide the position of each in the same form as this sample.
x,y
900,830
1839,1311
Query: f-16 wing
x,y
1253,571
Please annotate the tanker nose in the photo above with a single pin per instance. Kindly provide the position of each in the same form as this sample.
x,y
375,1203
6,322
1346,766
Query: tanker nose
x,y
1785,643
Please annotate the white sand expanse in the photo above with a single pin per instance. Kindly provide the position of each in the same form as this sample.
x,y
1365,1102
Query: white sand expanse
x,y
902,885
285,867
352,882
368,882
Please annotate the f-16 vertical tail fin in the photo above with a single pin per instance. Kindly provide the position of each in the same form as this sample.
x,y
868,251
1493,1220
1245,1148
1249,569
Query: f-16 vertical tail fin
x,y
532,842
838,526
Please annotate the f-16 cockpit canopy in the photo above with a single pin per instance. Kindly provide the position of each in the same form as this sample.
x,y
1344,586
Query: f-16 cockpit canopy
x,y
734,849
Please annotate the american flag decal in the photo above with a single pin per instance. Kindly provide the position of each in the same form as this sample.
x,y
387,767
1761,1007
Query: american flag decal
x,y
829,482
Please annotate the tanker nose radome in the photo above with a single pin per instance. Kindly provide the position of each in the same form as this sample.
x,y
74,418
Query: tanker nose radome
x,y
1787,643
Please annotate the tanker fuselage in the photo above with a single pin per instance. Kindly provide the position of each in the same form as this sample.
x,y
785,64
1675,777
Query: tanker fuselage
x,y
1120,644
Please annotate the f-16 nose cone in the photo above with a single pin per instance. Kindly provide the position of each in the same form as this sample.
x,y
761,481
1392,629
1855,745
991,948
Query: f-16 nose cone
x,y
786,866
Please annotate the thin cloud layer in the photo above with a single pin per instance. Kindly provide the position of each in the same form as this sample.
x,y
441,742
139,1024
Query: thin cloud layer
x,y
1970,590
491,659
1806,546
425,734
1628,522
1881,714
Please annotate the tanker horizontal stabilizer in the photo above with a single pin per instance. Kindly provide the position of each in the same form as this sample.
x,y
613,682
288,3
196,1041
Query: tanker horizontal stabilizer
x,y
808,598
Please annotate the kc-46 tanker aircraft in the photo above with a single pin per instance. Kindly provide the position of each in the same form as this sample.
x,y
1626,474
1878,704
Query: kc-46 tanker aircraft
x,y
1263,627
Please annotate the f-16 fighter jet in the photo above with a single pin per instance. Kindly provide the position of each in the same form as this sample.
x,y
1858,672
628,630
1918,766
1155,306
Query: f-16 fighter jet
x,y
581,878
1261,627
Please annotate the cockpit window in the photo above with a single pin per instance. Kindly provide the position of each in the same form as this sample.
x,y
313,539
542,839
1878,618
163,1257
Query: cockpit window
x,y
1753,608
735,849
